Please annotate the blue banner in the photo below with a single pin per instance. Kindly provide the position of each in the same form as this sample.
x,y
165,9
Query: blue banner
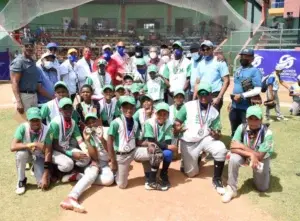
x,y
4,66
266,61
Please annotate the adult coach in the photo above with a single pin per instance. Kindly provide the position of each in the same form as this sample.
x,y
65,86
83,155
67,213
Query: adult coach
x,y
240,97
24,79
215,73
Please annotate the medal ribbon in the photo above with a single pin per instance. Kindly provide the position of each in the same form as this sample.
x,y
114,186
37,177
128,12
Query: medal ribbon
x,y
87,108
108,109
128,134
65,136
202,122
253,147
41,132
156,130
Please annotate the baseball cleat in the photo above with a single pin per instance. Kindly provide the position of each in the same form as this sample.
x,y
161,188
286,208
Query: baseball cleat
x,y
155,186
21,187
229,195
218,184
72,204
71,177
165,180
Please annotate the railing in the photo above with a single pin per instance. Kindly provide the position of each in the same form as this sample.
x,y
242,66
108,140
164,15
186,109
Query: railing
x,y
277,4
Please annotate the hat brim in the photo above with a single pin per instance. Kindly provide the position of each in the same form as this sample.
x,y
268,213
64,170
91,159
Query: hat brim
x,y
255,115
34,118
60,85
203,90
162,109
88,117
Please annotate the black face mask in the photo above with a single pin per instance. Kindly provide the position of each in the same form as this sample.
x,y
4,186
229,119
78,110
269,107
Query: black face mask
x,y
244,62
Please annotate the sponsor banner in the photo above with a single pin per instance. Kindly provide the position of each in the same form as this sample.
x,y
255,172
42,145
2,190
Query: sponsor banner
x,y
4,66
288,60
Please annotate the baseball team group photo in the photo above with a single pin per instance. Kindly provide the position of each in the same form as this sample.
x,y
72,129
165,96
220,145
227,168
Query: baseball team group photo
x,y
150,110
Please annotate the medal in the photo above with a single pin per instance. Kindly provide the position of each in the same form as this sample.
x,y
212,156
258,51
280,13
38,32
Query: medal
x,y
128,135
253,147
127,148
201,120
65,136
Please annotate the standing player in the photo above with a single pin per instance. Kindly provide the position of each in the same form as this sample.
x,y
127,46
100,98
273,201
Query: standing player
x,y
29,143
252,142
98,172
202,132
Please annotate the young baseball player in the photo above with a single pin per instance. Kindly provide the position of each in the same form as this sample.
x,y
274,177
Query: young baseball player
x,y
51,109
119,92
178,102
121,143
155,85
98,172
252,141
107,105
65,135
201,133
158,130
135,92
31,144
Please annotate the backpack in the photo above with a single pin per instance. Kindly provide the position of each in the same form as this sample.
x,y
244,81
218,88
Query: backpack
x,y
262,137
264,85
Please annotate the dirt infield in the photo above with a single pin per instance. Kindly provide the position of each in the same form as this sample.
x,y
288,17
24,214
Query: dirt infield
x,y
188,199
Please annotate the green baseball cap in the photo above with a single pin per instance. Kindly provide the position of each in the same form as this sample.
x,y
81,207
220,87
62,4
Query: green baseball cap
x,y
134,88
145,96
33,113
140,61
102,62
120,87
254,111
90,115
64,101
162,106
203,86
60,84
128,75
177,43
179,92
108,86
152,68
127,99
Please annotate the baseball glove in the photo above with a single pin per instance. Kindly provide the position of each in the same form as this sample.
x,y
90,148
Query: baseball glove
x,y
270,104
155,155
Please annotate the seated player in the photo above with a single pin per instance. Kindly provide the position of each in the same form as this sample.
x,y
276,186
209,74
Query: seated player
x,y
252,142
98,79
178,103
87,105
201,133
121,143
66,136
31,144
50,109
158,130
155,85
98,172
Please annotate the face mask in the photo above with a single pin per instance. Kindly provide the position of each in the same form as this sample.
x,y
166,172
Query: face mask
x,y
178,54
88,56
165,59
142,71
72,58
153,55
195,56
48,64
208,58
107,56
244,62
121,51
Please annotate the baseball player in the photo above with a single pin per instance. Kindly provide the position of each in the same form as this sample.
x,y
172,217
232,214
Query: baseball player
x,y
107,105
29,143
65,135
201,133
122,148
98,172
158,130
295,93
252,141
135,92
178,102
119,91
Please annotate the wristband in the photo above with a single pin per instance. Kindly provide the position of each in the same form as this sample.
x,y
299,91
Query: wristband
x,y
69,153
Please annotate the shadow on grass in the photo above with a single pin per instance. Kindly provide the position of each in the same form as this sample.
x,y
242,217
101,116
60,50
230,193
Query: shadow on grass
x,y
274,155
249,186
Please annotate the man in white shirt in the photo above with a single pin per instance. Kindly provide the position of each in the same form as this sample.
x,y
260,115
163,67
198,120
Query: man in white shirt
x,y
84,66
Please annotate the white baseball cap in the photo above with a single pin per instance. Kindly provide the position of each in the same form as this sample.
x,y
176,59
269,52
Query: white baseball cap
x,y
106,46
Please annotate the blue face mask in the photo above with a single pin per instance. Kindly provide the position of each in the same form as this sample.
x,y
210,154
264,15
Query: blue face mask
x,y
121,51
107,56
142,71
178,53
72,58
208,58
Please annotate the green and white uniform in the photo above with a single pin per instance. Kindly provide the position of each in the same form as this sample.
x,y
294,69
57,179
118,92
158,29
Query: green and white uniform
x,y
155,88
140,117
261,179
107,111
160,133
197,136
177,72
97,82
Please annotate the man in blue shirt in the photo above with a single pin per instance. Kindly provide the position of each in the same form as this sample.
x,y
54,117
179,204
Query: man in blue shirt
x,y
195,60
48,77
215,73
241,96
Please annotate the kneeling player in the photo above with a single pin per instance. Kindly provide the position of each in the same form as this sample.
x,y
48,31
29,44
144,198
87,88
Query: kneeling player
x,y
98,172
31,144
252,142
201,133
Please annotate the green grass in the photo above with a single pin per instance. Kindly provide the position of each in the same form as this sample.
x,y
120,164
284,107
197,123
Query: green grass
x,y
281,201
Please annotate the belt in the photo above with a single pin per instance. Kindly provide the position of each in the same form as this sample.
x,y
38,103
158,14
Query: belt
x,y
124,153
28,92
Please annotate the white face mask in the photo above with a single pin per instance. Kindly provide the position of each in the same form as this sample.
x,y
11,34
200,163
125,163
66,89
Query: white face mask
x,y
48,64
195,56
165,59
153,55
